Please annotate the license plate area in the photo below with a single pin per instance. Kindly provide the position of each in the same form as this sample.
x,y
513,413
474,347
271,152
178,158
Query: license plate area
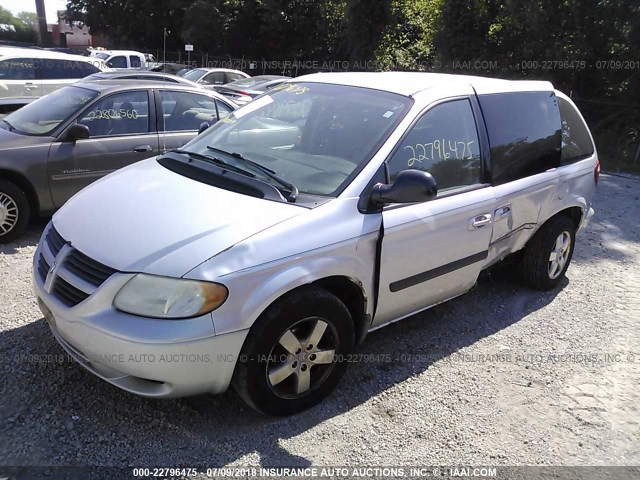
x,y
47,313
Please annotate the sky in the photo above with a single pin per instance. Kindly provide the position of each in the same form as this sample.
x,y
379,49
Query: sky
x,y
51,6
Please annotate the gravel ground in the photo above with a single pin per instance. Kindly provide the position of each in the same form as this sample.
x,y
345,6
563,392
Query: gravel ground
x,y
501,376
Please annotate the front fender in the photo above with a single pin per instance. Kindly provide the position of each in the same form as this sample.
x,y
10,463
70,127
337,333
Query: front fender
x,y
252,290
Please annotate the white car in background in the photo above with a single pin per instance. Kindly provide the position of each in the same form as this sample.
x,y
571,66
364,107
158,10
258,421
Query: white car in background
x,y
30,73
121,58
214,76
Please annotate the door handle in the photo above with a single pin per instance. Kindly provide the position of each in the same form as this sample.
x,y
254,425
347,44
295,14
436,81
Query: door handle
x,y
143,148
30,86
502,212
479,221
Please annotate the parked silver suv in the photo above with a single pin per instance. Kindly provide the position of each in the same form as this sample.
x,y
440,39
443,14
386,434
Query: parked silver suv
x,y
30,73
262,253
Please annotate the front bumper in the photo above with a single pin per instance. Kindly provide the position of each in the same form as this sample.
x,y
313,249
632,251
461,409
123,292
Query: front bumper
x,y
145,356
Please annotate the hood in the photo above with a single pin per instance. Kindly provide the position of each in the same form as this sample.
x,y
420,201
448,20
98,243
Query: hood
x,y
145,218
10,140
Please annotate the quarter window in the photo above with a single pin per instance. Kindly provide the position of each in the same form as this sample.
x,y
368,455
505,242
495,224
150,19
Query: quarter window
x,y
118,114
443,142
223,110
524,133
135,61
576,142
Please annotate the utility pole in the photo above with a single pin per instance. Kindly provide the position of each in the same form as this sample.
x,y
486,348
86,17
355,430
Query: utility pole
x,y
164,46
42,24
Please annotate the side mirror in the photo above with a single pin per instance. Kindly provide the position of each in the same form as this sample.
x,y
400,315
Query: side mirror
x,y
203,127
411,186
77,131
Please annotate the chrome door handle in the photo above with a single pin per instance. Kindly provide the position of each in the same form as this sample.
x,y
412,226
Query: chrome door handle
x,y
143,148
30,86
479,221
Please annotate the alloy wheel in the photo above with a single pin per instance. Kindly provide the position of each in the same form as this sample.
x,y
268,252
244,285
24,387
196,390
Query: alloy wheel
x,y
559,255
8,213
303,358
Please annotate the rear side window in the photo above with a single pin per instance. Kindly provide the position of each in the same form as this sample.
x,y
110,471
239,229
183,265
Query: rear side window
x,y
576,142
61,69
135,61
17,69
524,133
215,78
183,111
232,77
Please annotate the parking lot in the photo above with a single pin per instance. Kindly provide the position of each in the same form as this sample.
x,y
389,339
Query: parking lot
x,y
503,375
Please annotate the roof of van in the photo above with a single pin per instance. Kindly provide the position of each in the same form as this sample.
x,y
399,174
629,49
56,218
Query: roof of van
x,y
40,53
410,83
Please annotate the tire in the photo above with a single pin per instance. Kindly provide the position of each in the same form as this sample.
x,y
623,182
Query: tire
x,y
15,211
539,267
272,379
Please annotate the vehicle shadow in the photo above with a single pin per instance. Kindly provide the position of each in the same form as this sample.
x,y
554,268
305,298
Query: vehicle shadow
x,y
29,238
617,206
56,413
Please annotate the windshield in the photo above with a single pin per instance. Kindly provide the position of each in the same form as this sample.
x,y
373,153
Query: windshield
x,y
315,136
45,114
194,75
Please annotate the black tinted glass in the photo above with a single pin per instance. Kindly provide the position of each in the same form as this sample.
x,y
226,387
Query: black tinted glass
x,y
17,69
52,69
576,142
524,133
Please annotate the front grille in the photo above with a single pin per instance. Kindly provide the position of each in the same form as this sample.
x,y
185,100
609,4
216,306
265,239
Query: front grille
x,y
77,275
88,269
55,241
67,293
43,267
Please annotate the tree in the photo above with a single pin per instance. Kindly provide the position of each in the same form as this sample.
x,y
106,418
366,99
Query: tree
x,y
138,25
13,29
366,20
29,19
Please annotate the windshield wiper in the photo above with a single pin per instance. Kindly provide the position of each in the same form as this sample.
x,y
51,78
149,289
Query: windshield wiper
x,y
293,190
218,161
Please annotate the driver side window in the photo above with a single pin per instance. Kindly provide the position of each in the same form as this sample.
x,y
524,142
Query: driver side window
x,y
443,142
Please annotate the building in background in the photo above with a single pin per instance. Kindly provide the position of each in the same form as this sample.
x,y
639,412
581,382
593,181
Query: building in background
x,y
66,35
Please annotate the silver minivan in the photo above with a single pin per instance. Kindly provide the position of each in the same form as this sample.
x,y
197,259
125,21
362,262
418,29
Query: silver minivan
x,y
261,253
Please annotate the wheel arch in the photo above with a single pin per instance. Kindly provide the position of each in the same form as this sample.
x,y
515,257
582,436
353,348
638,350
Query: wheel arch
x,y
350,292
26,186
574,213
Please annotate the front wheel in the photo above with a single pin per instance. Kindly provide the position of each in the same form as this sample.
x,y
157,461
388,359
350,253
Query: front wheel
x,y
548,254
295,354
14,211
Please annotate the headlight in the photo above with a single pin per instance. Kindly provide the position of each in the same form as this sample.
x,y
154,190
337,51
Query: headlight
x,y
163,297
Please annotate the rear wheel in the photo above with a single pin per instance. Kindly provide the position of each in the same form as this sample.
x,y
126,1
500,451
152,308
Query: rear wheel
x,y
294,355
14,211
548,254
